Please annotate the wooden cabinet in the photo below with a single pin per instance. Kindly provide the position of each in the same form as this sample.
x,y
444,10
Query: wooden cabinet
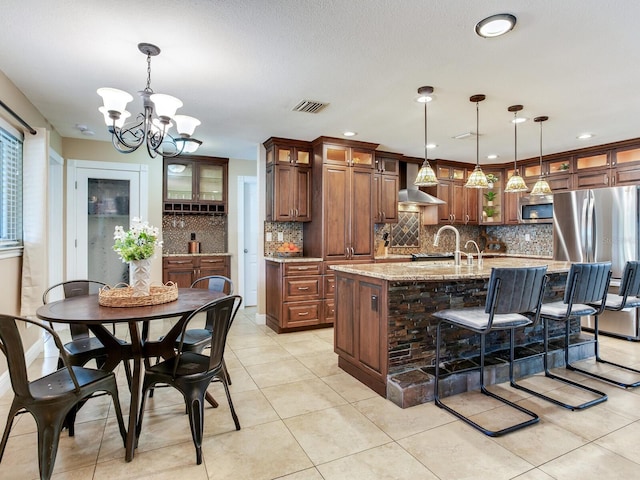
x,y
294,292
195,184
360,331
183,270
626,166
342,225
462,203
593,170
385,187
288,180
557,173
493,199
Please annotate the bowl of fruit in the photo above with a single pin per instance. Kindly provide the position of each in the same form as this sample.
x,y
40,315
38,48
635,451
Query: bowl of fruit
x,y
288,249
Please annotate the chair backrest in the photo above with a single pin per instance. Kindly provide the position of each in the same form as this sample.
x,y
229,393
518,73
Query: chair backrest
x,y
630,283
515,290
11,346
222,312
215,283
587,283
74,288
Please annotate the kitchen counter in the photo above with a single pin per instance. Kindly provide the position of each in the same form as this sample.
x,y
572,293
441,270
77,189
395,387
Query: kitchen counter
x,y
226,254
445,270
292,259
384,329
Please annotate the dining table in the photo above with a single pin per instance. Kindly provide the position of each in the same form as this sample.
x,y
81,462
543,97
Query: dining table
x,y
85,309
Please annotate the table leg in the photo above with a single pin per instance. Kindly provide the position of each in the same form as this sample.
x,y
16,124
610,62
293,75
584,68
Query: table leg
x,y
136,351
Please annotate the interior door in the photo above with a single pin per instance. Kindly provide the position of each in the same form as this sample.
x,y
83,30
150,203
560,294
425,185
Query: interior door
x,y
250,242
100,199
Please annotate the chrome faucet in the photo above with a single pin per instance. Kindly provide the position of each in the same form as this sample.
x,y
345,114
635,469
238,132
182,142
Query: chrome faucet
x,y
478,249
456,254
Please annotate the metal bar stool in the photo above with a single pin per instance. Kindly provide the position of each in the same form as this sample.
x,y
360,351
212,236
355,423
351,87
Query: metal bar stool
x,y
512,292
587,283
627,297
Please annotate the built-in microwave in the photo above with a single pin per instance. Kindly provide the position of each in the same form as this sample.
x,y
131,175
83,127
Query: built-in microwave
x,y
535,209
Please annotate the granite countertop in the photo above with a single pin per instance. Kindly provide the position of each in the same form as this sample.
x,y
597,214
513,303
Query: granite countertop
x,y
445,270
225,254
292,259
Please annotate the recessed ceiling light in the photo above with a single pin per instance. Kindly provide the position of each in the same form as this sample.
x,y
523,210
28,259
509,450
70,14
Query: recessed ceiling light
x,y
431,145
350,134
495,25
584,136
492,156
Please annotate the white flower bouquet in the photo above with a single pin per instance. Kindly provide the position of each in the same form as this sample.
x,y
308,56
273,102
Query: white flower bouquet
x,y
137,243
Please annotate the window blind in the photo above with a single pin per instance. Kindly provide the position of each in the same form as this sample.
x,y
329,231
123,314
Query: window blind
x,y
10,189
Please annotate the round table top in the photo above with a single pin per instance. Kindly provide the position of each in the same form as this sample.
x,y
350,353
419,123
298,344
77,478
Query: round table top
x,y
86,309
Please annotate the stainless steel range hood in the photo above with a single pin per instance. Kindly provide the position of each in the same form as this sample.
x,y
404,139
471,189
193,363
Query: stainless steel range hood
x,y
411,195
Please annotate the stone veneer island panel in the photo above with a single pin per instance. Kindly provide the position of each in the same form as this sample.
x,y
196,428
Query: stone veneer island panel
x,y
384,328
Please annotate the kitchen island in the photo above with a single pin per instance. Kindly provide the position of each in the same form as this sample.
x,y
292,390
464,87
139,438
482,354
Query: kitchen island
x,y
385,334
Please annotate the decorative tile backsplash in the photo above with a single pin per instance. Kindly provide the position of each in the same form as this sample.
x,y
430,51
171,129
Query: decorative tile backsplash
x,y
409,236
210,230
291,232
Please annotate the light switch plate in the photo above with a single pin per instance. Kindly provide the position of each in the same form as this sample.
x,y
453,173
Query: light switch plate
x,y
280,236
269,237
527,237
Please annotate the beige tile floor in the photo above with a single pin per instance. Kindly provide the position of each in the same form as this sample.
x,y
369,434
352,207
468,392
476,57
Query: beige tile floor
x,y
305,419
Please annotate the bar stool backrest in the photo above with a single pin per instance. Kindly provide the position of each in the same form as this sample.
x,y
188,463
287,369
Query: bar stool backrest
x,y
630,283
587,283
515,290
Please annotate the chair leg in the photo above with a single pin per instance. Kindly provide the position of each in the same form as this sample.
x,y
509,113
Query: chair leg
x,y
7,429
533,417
127,372
600,396
233,410
601,360
48,439
226,372
195,409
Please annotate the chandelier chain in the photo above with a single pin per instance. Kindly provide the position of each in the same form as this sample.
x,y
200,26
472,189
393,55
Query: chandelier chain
x,y
148,87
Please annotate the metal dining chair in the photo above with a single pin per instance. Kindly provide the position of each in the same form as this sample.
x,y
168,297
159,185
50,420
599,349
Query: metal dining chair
x,y
628,296
83,347
587,283
513,301
191,373
49,399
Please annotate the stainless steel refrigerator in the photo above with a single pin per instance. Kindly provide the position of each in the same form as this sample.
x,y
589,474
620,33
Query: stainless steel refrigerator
x,y
595,226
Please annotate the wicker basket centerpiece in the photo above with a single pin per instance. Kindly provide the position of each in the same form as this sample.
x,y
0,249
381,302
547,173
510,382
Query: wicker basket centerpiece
x,y
121,295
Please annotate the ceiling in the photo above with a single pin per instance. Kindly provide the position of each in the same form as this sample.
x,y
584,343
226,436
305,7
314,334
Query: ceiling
x,y
240,66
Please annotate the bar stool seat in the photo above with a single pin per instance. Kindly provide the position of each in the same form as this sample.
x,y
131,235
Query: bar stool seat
x,y
512,293
586,283
626,299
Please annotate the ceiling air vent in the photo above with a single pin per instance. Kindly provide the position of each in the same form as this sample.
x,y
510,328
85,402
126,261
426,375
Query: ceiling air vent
x,y
309,106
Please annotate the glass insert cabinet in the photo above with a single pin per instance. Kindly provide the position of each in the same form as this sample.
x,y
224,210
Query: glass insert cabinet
x,y
195,184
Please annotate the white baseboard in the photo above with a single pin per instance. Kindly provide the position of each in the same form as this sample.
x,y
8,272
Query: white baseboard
x,y
261,319
30,355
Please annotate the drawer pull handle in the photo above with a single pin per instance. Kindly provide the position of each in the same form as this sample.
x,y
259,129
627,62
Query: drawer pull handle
x,y
303,314
179,262
303,288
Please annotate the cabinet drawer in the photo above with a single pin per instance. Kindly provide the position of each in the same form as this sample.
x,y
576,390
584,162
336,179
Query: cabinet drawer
x,y
312,268
212,261
329,310
301,288
300,314
179,262
329,285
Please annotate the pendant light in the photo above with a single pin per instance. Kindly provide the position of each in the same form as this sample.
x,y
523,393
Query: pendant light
x,y
477,179
426,176
541,187
516,183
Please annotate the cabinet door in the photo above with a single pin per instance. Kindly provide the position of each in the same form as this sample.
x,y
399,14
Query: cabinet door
x,y
361,226
511,207
213,266
376,199
302,194
371,351
179,270
626,176
592,179
345,325
471,206
178,181
211,185
457,207
444,192
560,183
336,208
389,198
283,193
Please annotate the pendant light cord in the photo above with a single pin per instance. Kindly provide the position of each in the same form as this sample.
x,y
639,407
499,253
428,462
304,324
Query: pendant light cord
x,y
515,144
425,133
477,134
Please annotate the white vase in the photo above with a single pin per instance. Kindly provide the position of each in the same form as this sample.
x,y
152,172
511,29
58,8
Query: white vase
x,y
141,277
489,203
